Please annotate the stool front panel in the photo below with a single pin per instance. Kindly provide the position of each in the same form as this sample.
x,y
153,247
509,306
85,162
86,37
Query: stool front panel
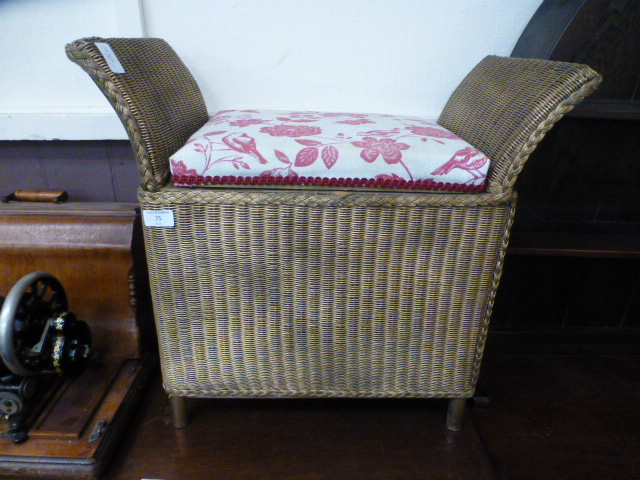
x,y
299,300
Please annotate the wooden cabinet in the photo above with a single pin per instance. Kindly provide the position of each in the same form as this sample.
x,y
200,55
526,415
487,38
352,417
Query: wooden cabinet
x,y
95,250
574,256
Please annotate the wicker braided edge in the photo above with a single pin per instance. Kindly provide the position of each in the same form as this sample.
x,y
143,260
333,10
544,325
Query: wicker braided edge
x,y
311,394
497,275
84,54
325,198
561,110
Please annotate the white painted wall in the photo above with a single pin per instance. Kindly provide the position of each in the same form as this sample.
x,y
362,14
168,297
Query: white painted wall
x,y
401,56
42,94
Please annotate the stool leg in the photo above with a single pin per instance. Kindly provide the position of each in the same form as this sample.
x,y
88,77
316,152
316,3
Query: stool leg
x,y
178,411
456,413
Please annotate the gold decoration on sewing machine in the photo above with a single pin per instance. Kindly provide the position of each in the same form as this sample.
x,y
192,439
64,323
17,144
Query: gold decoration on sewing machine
x,y
39,340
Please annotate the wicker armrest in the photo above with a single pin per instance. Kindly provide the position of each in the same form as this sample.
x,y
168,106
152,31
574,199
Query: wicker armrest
x,y
505,106
157,99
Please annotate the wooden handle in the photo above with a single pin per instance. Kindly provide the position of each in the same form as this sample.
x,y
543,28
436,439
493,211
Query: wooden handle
x,y
55,196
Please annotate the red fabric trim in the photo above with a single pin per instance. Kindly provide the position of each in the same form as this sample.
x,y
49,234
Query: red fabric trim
x,y
429,184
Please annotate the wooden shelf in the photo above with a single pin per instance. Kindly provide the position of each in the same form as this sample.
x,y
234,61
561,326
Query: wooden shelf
x,y
608,109
575,245
573,239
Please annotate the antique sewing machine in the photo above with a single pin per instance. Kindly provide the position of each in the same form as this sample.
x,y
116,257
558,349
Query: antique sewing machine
x,y
40,340
75,342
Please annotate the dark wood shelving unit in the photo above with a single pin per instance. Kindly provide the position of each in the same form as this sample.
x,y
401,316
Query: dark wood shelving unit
x,y
610,109
573,259
575,244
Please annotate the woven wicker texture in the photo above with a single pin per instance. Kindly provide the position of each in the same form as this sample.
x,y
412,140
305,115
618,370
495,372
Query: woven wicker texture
x,y
308,291
505,106
329,298
157,99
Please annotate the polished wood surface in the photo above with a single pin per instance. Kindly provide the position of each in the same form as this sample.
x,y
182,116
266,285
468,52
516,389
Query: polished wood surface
x,y
81,397
95,250
61,443
298,439
569,417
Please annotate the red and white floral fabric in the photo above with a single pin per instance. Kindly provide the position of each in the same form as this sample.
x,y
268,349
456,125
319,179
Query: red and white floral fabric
x,y
251,147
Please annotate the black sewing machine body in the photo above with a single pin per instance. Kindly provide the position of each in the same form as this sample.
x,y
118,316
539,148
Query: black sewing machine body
x,y
40,341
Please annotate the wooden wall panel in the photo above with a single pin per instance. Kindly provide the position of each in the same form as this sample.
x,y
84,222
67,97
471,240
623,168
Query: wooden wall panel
x,y
82,169
601,33
632,313
90,171
576,239
601,291
20,168
124,171
533,292
568,293
589,171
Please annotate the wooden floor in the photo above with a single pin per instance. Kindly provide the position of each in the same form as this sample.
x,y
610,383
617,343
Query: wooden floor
x,y
293,439
565,417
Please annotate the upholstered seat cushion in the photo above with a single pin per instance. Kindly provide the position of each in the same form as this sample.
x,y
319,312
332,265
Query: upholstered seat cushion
x,y
332,149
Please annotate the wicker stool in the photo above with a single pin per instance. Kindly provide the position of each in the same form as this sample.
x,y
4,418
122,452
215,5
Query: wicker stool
x,y
308,287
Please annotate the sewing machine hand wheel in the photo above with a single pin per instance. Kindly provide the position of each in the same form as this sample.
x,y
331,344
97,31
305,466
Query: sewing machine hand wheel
x,y
37,333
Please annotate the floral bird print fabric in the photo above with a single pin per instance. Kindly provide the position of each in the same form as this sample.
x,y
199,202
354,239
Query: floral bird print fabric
x,y
332,149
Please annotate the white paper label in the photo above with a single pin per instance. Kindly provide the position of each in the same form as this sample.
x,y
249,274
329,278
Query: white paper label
x,y
158,218
110,56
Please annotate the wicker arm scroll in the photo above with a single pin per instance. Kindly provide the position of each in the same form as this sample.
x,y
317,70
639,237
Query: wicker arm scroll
x,y
157,99
505,106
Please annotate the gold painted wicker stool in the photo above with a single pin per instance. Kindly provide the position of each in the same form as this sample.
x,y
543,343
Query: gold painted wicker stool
x,y
325,291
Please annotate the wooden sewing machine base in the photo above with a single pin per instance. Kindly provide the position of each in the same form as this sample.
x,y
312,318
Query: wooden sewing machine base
x,y
79,428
